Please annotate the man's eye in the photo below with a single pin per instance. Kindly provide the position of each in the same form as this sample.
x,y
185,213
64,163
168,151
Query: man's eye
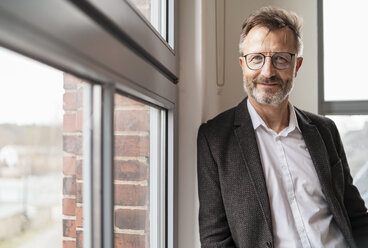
x,y
281,60
256,59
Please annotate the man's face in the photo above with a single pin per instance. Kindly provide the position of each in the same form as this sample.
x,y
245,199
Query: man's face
x,y
269,85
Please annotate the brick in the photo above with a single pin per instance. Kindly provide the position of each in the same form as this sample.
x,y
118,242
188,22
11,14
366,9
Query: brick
x,y
79,192
69,228
69,166
69,207
130,195
131,120
134,219
79,216
79,120
131,170
69,101
72,144
69,123
129,241
69,185
79,239
69,244
71,81
131,145
79,169
120,100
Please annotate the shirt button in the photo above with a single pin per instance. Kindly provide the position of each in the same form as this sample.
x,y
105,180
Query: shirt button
x,y
292,198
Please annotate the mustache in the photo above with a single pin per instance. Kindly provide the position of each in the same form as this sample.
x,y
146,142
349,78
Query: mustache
x,y
271,80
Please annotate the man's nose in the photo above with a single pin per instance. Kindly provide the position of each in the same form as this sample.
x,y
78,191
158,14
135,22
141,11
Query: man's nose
x,y
268,70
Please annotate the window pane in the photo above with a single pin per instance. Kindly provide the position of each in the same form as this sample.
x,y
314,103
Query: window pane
x,y
354,134
344,50
139,174
155,12
40,155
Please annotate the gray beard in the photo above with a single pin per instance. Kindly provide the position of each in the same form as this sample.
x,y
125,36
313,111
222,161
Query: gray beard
x,y
268,97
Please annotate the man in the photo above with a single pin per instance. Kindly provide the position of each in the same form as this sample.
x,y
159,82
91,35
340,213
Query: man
x,y
269,174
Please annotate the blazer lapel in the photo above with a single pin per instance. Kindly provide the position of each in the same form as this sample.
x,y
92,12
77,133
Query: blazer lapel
x,y
317,151
244,132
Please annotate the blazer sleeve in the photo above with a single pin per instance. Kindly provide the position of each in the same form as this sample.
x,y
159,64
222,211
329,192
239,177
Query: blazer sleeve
x,y
213,226
353,202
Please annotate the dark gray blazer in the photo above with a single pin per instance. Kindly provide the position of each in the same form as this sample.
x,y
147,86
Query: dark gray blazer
x,y
234,207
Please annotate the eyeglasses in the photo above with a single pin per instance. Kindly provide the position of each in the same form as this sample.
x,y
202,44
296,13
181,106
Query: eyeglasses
x,y
280,60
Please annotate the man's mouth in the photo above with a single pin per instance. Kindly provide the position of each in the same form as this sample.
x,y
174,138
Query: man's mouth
x,y
268,84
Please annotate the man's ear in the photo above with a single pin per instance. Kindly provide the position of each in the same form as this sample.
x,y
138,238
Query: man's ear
x,y
299,63
241,61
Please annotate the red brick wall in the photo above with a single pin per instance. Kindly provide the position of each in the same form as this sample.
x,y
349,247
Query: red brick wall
x,y
72,162
131,169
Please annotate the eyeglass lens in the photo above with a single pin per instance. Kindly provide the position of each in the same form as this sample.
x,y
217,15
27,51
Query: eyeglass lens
x,y
281,61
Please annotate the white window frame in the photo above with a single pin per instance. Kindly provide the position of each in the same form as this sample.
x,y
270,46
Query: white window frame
x,y
86,38
157,186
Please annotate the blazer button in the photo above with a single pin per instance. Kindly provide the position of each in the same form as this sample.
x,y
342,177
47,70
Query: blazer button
x,y
269,244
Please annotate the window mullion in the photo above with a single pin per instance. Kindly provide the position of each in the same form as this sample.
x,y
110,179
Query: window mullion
x,y
98,166
107,168
88,200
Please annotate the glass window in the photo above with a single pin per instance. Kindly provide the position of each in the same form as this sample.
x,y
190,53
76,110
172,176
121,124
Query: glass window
x,y
354,134
40,155
155,12
344,50
139,173
31,153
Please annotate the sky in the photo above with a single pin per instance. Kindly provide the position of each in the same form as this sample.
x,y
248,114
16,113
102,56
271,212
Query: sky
x,y
30,92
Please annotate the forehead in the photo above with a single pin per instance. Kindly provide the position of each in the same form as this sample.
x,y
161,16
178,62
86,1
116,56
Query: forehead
x,y
261,39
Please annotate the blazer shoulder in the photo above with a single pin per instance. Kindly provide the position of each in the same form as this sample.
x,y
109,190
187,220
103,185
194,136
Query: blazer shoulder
x,y
326,127
316,119
220,123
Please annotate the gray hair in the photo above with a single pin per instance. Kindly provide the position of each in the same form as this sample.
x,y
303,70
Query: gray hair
x,y
273,18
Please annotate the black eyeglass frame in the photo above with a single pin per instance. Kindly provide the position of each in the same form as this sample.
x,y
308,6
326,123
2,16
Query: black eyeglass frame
x,y
272,60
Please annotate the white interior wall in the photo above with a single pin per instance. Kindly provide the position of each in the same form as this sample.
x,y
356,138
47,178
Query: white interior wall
x,y
199,97
190,117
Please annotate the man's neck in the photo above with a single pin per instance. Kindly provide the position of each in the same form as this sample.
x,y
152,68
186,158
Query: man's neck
x,y
275,117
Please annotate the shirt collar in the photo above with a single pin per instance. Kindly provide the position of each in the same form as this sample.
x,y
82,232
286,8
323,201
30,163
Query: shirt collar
x,y
258,121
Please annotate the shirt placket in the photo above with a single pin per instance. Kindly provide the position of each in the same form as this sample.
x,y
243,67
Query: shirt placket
x,y
289,189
